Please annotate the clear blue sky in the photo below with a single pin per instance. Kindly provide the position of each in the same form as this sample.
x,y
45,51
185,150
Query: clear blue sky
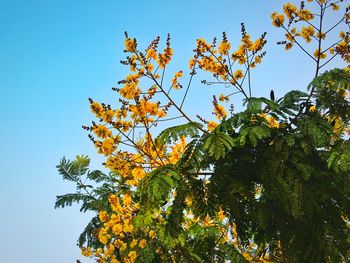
x,y
56,54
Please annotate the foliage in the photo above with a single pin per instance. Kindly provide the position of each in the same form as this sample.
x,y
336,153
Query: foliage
x,y
268,184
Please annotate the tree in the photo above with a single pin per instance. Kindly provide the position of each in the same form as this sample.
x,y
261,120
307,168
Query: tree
x,y
268,184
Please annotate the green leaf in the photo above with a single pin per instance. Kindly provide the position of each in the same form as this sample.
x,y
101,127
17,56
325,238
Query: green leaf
x,y
68,199
168,135
157,186
217,144
72,171
254,133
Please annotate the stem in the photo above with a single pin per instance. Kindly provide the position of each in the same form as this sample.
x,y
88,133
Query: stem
x,y
175,105
188,87
236,84
152,141
248,70
319,46
334,26
299,45
328,60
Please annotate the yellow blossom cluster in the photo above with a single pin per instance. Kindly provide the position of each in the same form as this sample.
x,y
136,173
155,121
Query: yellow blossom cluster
x,y
220,60
139,109
269,120
130,156
174,81
124,134
228,233
307,33
219,110
214,60
312,30
117,232
250,251
343,47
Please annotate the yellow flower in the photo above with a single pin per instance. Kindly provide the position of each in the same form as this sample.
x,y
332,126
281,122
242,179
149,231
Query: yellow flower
x,y
133,243
179,74
151,54
220,112
127,200
143,243
312,108
247,256
188,201
238,74
290,37
318,54
124,247
87,252
257,60
130,90
174,81
138,173
149,67
130,44
107,146
262,115
118,243
277,19
101,131
289,10
334,6
109,250
164,58
305,15
207,221
127,227
152,234
212,125
191,63
222,97
103,236
96,108
272,122
247,43
288,46
224,47
221,214
117,229
103,216
132,255
136,206
307,33
113,199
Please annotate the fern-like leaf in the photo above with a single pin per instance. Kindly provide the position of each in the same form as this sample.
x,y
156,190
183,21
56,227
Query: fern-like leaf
x,y
190,129
217,144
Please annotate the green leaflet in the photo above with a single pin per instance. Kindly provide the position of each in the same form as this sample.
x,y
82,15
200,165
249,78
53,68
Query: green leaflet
x,y
174,133
254,105
217,144
339,159
87,237
73,170
253,134
68,199
157,186
329,92
291,101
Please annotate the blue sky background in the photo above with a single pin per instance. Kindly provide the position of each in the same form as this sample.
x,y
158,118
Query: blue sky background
x,y
56,54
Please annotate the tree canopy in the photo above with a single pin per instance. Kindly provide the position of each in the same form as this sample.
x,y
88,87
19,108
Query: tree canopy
x,y
267,184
